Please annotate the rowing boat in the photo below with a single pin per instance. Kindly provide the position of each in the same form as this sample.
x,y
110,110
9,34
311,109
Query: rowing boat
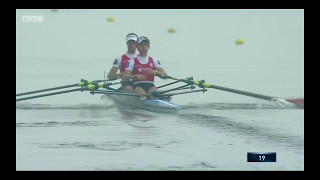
x,y
133,101
161,102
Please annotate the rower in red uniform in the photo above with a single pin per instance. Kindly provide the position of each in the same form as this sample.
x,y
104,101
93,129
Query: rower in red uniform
x,y
121,62
142,69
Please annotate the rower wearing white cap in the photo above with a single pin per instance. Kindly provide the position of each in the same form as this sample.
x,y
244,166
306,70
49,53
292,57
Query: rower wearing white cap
x,y
121,62
143,68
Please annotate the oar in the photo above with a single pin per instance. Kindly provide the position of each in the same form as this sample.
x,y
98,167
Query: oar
x,y
90,87
50,94
189,78
202,84
83,82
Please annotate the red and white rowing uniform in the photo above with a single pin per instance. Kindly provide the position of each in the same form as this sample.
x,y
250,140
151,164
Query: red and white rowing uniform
x,y
121,62
141,65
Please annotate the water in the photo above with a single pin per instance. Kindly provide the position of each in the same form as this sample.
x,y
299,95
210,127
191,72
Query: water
x,y
213,130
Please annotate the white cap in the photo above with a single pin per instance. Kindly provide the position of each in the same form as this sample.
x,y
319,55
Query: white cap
x,y
143,38
131,36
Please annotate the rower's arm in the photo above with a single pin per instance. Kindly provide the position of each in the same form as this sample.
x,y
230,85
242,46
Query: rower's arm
x,y
113,73
160,72
127,75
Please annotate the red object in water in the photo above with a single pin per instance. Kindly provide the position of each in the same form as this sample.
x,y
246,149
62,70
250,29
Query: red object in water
x,y
299,102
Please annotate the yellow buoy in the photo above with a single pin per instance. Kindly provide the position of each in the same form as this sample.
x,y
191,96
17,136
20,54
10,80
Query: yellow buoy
x,y
110,19
239,41
171,30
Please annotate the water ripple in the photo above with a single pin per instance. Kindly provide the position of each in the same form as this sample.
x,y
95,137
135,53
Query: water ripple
x,y
55,123
249,131
63,107
229,106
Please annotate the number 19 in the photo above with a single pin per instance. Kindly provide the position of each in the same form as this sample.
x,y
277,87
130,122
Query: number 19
x,y
262,158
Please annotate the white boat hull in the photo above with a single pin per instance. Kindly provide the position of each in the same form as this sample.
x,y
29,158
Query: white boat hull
x,y
155,105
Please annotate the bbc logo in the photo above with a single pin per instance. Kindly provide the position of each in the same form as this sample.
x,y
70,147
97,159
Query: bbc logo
x,y
32,18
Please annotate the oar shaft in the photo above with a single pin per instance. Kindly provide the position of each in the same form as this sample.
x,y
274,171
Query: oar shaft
x,y
175,89
269,98
86,85
48,89
206,85
83,82
118,93
186,92
178,80
167,84
49,94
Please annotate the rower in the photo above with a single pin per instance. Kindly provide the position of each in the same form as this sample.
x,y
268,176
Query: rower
x,y
120,62
142,69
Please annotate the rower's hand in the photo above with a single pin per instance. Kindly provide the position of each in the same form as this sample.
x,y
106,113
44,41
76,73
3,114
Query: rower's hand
x,y
152,72
162,76
113,78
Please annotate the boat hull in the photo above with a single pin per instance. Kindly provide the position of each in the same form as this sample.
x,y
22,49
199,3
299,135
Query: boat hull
x,y
155,105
